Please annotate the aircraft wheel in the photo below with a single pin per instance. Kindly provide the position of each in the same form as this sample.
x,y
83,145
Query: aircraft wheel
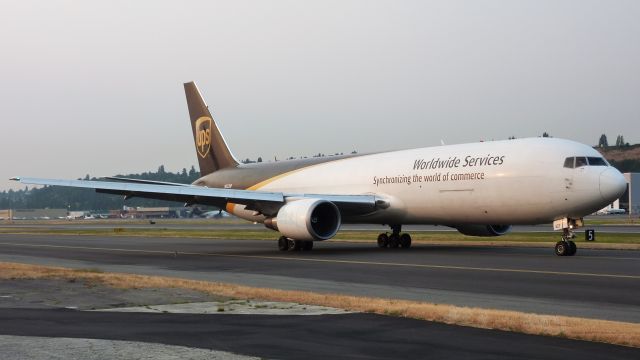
x,y
405,241
572,248
383,240
283,243
562,248
394,241
307,245
297,245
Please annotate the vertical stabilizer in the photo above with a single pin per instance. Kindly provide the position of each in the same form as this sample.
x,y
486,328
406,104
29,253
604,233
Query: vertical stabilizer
x,y
211,149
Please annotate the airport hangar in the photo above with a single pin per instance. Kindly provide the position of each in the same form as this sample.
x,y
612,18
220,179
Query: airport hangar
x,y
630,200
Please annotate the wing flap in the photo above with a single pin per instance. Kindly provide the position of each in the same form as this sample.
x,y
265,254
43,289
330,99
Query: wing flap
x,y
142,181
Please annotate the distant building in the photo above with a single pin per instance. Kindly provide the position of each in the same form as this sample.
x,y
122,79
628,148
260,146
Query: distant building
x,y
155,212
79,214
33,214
608,209
630,200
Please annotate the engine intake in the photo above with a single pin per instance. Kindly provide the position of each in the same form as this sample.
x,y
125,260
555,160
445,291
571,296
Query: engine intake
x,y
307,219
484,230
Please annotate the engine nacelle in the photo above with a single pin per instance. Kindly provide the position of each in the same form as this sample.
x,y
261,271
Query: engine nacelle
x,y
307,219
483,230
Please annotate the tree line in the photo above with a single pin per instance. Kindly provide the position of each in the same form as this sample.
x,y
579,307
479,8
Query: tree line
x,y
58,197
604,143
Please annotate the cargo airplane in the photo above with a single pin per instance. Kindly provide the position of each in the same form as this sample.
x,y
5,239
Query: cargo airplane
x,y
480,189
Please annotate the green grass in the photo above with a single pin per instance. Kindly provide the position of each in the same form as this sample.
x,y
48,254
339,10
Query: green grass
x,y
615,221
349,235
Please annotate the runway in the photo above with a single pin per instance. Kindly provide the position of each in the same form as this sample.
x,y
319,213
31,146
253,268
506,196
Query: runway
x,y
595,283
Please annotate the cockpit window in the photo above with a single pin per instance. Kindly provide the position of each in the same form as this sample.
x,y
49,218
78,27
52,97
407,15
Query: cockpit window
x,y
568,162
596,161
581,161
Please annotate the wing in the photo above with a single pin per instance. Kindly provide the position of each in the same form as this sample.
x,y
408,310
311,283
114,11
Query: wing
x,y
267,203
141,181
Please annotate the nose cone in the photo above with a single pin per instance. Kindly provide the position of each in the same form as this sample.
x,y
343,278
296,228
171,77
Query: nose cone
x,y
612,184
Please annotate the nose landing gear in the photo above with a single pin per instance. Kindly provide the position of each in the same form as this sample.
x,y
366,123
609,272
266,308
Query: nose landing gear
x,y
566,246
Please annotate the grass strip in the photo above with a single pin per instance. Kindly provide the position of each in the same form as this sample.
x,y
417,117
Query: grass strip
x,y
612,332
616,241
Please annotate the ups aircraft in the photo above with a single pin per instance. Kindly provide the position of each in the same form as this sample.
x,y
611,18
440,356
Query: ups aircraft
x,y
480,189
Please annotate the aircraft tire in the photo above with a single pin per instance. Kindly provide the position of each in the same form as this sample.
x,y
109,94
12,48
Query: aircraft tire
x,y
405,241
283,243
572,248
307,245
383,240
297,245
562,248
394,241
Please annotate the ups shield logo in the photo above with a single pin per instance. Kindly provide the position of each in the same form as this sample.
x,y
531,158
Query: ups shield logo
x,y
203,136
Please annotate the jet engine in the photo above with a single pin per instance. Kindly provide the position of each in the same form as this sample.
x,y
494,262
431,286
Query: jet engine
x,y
484,230
307,219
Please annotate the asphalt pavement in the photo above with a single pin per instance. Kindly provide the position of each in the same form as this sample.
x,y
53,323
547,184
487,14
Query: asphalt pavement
x,y
602,284
351,336
596,283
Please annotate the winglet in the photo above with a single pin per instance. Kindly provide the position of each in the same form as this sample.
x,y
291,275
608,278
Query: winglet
x,y
15,178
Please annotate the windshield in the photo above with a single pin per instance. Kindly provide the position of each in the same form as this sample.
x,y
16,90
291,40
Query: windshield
x,y
580,161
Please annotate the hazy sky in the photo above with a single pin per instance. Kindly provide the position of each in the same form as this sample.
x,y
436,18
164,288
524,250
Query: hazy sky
x,y
96,86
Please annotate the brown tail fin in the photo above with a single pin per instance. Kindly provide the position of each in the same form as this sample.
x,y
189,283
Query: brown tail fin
x,y
211,149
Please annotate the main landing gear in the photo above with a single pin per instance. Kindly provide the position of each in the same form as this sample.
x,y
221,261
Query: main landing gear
x,y
394,240
286,244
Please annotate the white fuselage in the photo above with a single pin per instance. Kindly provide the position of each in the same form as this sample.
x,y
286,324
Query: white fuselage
x,y
519,181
